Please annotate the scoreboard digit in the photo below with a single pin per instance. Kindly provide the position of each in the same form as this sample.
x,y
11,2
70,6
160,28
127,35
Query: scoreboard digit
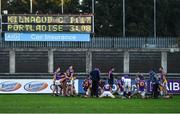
x,y
47,23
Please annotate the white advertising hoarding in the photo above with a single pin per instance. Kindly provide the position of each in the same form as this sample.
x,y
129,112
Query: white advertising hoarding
x,y
28,85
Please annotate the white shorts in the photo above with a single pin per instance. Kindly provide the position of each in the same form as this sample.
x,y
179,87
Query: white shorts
x,y
107,94
127,85
142,93
57,82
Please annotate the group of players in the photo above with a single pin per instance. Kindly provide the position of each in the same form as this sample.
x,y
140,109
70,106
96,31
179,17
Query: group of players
x,y
63,82
123,87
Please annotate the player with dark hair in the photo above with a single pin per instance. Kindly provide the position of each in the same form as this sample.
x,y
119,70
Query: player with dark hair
x,y
95,77
87,86
120,87
70,81
101,86
127,86
142,86
111,77
155,82
56,82
107,92
163,81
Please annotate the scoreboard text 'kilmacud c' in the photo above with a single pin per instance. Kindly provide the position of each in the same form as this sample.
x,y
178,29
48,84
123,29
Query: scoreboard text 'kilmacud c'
x,y
47,23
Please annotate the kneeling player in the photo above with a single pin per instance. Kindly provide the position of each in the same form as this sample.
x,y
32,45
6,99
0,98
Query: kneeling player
x,y
120,86
107,92
142,87
87,86
127,86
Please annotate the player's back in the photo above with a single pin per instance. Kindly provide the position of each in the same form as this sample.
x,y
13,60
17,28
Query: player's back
x,y
142,85
107,87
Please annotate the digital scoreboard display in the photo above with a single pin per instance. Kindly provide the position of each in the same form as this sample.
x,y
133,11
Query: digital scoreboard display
x,y
47,23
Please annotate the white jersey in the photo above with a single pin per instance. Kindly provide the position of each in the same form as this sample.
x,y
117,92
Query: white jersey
x,y
127,84
127,81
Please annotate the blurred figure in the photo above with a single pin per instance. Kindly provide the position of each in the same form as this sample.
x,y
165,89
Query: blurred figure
x,y
56,82
87,87
70,81
163,81
127,86
111,77
101,86
155,83
120,87
142,86
107,92
95,77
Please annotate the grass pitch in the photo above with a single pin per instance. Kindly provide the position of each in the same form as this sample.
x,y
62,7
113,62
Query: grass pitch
x,y
51,104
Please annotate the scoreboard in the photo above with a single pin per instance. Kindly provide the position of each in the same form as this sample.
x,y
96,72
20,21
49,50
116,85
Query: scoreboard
x,y
47,23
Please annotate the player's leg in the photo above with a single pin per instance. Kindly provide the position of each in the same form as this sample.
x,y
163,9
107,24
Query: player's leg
x,y
104,94
110,94
143,94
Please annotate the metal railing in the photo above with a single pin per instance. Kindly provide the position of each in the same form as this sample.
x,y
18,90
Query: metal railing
x,y
101,42
78,75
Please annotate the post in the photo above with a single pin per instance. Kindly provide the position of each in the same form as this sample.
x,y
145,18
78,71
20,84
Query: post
x,y
12,61
30,6
62,6
0,22
126,62
124,19
50,61
164,60
88,61
93,11
0,7
154,18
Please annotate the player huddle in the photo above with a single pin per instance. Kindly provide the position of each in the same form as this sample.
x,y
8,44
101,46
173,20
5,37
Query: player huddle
x,y
63,82
123,87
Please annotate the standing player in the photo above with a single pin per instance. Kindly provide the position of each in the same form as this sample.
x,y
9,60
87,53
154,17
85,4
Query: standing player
x,y
70,79
107,92
111,77
163,81
56,82
142,87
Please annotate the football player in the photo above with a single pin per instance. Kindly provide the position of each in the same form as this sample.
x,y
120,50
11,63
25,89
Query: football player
x,y
163,82
142,86
127,86
87,87
107,92
120,87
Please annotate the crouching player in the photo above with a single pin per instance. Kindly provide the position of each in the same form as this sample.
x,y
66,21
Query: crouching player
x,y
107,92
127,86
142,87
120,88
87,87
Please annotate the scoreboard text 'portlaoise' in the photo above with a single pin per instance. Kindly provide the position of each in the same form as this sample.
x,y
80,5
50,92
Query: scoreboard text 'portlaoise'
x,y
47,23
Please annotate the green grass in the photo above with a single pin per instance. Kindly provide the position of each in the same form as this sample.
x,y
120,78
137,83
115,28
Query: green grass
x,y
50,104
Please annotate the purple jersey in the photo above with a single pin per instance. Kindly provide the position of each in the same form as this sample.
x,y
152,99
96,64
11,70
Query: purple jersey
x,y
58,77
107,87
142,85
120,84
